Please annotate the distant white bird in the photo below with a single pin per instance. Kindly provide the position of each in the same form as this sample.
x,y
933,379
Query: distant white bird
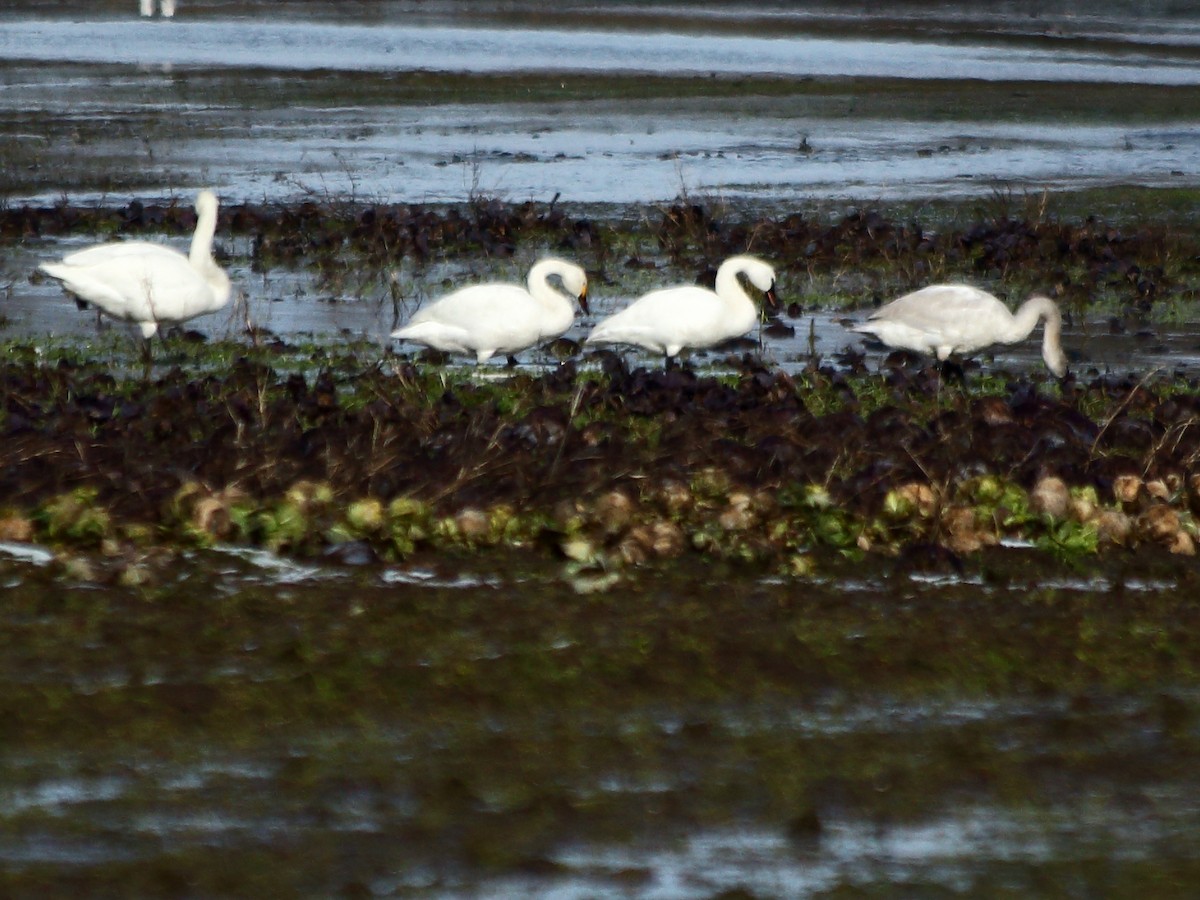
x,y
956,318
669,319
486,319
146,283
165,7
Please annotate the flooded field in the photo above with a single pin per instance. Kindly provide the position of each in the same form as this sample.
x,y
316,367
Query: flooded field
x,y
432,102
302,612
443,729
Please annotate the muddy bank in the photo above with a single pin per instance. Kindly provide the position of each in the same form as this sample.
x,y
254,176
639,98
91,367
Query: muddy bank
x,y
607,467
309,449
314,616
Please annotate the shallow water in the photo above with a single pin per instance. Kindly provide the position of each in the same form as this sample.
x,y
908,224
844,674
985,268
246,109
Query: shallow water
x,y
443,729
431,103
464,47
297,306
833,104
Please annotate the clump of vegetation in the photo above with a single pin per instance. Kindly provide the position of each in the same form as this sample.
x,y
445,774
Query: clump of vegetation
x,y
607,469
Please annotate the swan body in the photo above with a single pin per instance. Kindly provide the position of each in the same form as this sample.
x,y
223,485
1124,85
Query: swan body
x,y
956,318
146,283
669,319
486,319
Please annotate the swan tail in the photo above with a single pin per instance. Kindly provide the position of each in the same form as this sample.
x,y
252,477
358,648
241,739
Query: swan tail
x,y
440,337
55,270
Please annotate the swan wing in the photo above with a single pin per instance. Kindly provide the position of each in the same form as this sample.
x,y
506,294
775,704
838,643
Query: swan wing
x,y
958,318
672,317
158,285
933,306
491,318
121,250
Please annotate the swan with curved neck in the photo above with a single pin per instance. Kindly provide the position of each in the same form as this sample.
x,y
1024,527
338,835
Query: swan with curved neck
x,y
146,283
669,319
486,319
945,319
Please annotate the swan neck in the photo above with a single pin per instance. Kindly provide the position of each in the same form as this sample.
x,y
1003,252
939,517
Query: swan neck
x,y
541,288
202,238
1031,312
1026,319
728,287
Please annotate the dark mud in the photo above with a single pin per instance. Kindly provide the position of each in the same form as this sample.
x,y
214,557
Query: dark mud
x,y
607,466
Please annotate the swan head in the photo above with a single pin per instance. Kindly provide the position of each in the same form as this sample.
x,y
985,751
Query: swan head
x,y
574,279
206,203
1052,350
1056,360
759,273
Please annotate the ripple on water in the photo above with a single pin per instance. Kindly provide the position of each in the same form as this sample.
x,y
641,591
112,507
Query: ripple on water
x,y
947,851
30,553
54,794
424,577
273,568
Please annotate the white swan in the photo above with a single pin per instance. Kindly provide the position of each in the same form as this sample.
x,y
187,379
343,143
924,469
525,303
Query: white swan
x,y
669,319
486,319
957,318
165,7
147,283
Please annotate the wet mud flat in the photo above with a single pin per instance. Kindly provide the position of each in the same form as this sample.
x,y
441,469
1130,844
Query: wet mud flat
x,y
312,616
632,106
301,613
441,728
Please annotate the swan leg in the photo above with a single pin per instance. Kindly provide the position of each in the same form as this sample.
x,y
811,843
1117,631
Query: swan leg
x,y
612,363
101,324
952,370
147,355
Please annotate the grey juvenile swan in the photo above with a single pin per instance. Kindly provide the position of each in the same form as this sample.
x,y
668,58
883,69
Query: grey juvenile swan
x,y
944,319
